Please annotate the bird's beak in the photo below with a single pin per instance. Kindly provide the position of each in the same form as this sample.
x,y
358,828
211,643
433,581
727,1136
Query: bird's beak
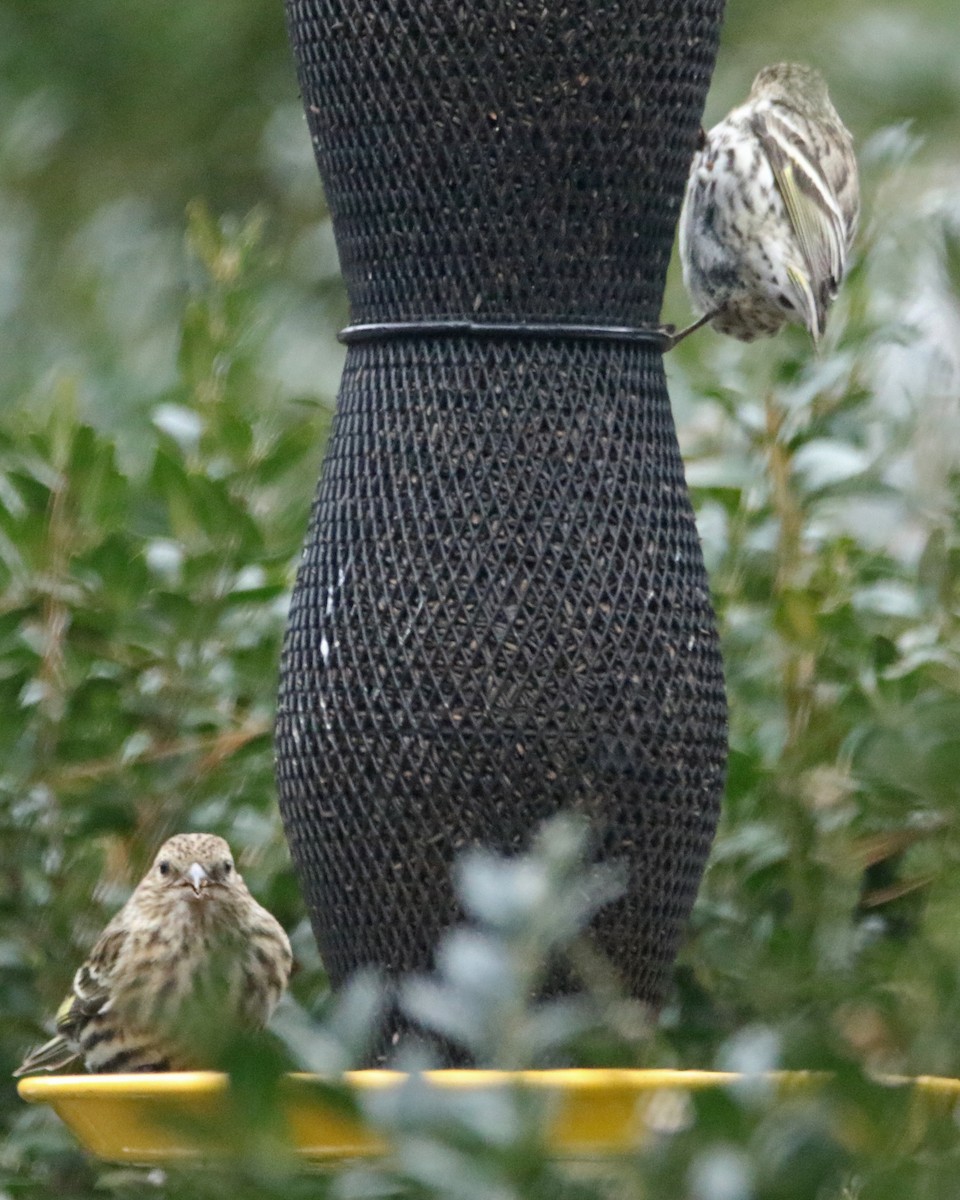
x,y
197,877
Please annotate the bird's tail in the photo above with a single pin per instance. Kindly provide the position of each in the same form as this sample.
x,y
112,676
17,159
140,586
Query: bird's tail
x,y
813,307
56,1053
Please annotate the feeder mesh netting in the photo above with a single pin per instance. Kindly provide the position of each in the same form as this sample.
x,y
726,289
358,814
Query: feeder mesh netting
x,y
502,609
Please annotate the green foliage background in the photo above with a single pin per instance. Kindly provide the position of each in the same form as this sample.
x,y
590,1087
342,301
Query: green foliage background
x,y
168,297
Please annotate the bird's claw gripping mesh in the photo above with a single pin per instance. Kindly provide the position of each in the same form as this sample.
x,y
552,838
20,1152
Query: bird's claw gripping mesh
x,y
502,608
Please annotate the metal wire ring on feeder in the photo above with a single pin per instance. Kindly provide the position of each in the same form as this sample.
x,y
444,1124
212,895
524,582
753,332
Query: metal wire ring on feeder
x,y
659,336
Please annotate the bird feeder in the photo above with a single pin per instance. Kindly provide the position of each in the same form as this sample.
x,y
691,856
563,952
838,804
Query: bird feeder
x,y
502,609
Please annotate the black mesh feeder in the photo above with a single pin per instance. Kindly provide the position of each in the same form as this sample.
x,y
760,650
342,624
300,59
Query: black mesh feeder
x,y
502,609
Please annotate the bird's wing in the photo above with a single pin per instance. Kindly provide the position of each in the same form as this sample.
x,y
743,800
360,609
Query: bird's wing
x,y
90,993
811,205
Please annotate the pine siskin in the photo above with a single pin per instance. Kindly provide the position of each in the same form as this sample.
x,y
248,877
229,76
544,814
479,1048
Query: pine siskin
x,y
770,209
191,952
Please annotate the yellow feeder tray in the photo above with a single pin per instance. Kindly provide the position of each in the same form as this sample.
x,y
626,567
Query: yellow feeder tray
x,y
591,1113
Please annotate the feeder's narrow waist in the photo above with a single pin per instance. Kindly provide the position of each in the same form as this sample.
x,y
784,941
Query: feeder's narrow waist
x,y
660,337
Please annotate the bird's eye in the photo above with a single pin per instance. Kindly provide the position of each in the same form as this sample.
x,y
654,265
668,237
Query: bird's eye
x,y
164,868
227,867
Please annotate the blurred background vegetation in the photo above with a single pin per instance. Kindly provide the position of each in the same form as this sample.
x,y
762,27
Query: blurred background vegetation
x,y
169,296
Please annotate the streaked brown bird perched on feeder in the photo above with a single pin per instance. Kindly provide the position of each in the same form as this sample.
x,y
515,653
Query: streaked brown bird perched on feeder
x,y
770,210
191,954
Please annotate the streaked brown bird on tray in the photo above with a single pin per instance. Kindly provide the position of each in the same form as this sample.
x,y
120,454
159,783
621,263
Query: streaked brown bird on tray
x,y
190,956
